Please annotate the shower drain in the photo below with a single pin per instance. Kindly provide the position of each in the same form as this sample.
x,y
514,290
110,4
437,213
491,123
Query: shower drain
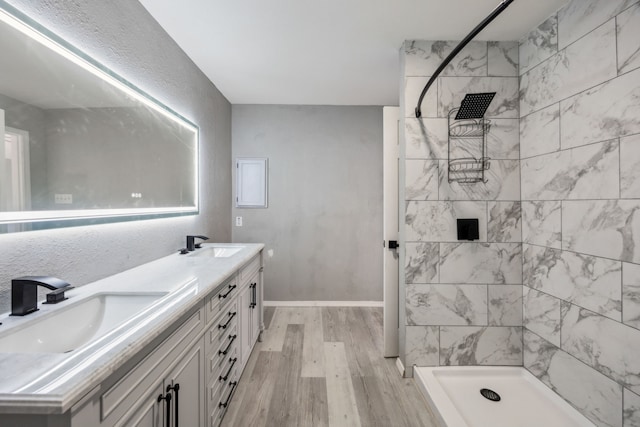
x,y
490,394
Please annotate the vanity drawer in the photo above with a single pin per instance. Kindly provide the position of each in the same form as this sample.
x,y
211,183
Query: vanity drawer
x,y
221,328
216,301
227,349
248,270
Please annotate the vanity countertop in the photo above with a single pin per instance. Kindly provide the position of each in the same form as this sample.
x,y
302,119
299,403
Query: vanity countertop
x,y
50,383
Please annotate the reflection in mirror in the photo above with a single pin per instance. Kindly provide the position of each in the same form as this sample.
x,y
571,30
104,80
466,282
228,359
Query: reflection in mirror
x,y
80,144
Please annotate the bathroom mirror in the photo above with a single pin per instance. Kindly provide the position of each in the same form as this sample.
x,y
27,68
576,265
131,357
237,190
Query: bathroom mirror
x,y
80,144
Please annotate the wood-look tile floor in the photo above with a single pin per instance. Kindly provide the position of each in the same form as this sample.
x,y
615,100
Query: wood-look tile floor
x,y
323,366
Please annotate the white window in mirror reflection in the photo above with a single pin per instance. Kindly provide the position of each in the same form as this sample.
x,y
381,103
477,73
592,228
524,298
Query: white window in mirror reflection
x,y
15,187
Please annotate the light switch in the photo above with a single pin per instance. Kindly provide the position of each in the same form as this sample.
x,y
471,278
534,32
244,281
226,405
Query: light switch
x,y
238,221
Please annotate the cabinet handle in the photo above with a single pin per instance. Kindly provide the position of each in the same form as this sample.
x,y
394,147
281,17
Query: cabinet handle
x,y
167,399
231,316
233,362
175,388
226,350
254,295
233,385
231,288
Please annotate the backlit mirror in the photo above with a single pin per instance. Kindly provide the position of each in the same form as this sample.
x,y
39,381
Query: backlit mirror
x,y
81,145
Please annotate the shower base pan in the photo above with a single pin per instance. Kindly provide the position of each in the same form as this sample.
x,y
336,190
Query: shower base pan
x,y
524,401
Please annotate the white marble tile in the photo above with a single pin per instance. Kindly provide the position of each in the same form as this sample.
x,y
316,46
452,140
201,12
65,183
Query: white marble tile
x,y
446,305
424,57
605,112
422,346
505,305
412,89
505,221
589,172
631,294
437,221
541,223
502,183
490,263
606,228
421,180
426,138
606,345
540,132
597,397
541,314
539,44
628,27
476,345
587,281
564,75
503,59
579,17
421,262
630,167
503,139
631,414
451,91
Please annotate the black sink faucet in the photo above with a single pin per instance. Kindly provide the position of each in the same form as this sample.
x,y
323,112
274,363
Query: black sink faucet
x,y
191,242
24,293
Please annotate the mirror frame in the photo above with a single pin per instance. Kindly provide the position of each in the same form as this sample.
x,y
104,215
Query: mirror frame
x,y
38,220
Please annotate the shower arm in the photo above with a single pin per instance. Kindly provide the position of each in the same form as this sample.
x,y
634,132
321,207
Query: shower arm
x,y
502,6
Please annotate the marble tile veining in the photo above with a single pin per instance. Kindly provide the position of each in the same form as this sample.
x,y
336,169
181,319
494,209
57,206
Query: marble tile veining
x,y
541,223
629,167
477,345
426,138
503,59
541,314
451,91
539,44
587,281
597,397
606,228
631,414
412,89
606,345
490,263
421,179
424,57
579,17
502,183
505,305
604,112
422,345
562,75
628,27
540,132
503,140
631,294
505,219
435,221
446,305
421,262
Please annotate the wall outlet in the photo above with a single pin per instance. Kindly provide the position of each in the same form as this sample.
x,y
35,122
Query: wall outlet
x,y
63,199
238,221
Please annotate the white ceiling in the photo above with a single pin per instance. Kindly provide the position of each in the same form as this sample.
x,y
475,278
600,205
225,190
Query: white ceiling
x,y
324,52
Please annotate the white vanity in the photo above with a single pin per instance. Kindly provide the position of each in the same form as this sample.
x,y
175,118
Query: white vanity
x,y
162,345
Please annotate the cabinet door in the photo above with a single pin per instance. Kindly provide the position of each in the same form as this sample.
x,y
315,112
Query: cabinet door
x,y
148,413
244,309
188,407
256,310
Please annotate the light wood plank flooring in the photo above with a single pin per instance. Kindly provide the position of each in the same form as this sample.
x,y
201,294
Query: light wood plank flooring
x,y
324,367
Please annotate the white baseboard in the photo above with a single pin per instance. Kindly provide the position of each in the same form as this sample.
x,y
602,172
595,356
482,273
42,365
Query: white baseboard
x,y
323,303
400,366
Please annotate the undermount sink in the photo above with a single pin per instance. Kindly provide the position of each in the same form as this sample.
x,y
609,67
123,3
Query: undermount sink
x,y
71,327
217,251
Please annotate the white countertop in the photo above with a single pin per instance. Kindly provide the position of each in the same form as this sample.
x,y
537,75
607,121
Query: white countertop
x,y
50,383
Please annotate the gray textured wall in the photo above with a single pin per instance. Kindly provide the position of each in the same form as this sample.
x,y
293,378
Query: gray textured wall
x,y
123,36
323,226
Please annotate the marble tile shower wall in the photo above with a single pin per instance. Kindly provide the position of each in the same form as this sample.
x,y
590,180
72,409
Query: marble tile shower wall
x,y
580,171
463,299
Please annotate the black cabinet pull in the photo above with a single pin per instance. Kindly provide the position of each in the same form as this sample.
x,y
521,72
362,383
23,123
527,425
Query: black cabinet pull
x,y
231,316
233,362
226,350
175,388
167,399
231,288
233,385
254,295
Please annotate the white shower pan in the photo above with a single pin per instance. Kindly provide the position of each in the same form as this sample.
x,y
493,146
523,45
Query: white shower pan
x,y
454,394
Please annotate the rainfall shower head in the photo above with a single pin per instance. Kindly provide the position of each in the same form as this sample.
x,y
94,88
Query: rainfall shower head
x,y
474,105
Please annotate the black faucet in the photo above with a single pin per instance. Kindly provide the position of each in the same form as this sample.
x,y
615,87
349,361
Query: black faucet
x,y
191,246
24,293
